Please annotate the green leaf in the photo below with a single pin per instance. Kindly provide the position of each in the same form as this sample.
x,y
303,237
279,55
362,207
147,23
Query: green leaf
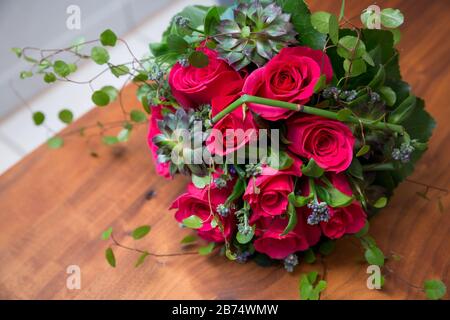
x,y
119,70
25,74
309,256
212,19
124,135
140,232
108,38
312,169
380,203
364,149
141,259
109,255
17,51
279,160
403,110
200,182
55,142
378,79
198,59
190,238
320,84
354,68
38,118
206,249
100,98
65,116
138,116
243,239
110,140
363,231
397,35
391,18
320,20
193,222
111,92
368,58
333,197
49,77
349,47
307,289
434,289
374,256
99,55
107,233
61,68
341,12
388,95
299,201
344,114
292,213
72,67
327,247
177,44
230,255
356,169
334,29
238,191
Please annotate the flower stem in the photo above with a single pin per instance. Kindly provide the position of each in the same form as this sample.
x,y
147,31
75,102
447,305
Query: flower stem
x,y
305,109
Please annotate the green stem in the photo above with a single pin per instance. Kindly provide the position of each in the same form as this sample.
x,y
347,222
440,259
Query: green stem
x,y
305,109
379,167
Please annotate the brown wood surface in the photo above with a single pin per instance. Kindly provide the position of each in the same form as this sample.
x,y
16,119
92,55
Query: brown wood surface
x,y
54,205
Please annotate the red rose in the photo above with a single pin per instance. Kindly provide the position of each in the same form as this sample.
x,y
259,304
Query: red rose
x,y
290,76
268,194
328,142
270,241
196,202
233,131
344,220
161,168
193,86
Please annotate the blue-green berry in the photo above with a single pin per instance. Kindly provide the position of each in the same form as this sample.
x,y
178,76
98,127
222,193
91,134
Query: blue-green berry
x,y
290,262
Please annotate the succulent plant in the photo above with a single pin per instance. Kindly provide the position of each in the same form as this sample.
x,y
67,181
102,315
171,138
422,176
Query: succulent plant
x,y
254,35
181,142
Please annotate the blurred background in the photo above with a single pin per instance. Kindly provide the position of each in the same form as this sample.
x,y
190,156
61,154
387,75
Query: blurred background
x,y
49,24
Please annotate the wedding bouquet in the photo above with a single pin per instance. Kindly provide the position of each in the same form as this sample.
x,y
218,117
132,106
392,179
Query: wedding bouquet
x,y
293,130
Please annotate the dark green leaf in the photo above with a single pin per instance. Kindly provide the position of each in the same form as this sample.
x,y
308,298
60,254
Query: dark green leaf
x,y
193,222
212,19
354,68
65,116
363,231
238,191
292,213
138,116
344,114
177,44
100,98
434,289
320,84
99,55
61,68
403,110
38,118
140,232
109,255
141,259
188,239
309,256
349,47
108,38
364,149
327,247
55,142
356,169
198,59
388,95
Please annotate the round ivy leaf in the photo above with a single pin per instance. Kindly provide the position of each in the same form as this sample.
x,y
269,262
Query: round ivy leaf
x,y
198,59
65,116
374,256
99,55
120,70
391,18
38,118
354,67
349,47
108,38
111,92
61,68
49,77
55,142
193,222
320,20
138,116
434,289
100,98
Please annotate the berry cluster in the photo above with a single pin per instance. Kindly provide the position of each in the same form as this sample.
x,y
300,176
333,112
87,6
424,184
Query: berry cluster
x,y
403,153
319,212
290,262
253,170
223,210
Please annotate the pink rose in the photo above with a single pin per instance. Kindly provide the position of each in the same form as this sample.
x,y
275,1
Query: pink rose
x,y
290,76
270,241
344,220
161,168
268,193
196,202
232,132
328,142
193,86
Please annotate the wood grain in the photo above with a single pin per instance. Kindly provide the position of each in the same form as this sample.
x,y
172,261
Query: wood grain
x,y
55,204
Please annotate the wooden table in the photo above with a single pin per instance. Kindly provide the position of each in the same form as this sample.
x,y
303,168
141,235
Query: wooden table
x,y
55,203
